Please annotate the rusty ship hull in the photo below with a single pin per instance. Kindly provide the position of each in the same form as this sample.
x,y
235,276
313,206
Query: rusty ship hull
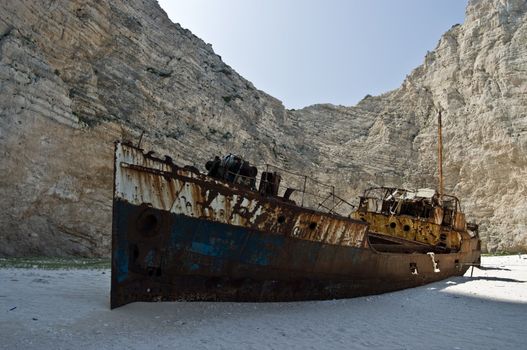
x,y
181,235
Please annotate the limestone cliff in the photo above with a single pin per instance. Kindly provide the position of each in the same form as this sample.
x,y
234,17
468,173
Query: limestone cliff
x,y
478,76
77,75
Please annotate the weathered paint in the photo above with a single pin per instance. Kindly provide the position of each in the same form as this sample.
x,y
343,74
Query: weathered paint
x,y
200,260
180,235
182,191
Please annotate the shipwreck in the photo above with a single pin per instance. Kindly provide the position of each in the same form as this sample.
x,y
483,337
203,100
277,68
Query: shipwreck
x,y
231,235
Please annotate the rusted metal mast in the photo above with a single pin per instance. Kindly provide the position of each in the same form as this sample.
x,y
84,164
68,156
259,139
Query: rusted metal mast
x,y
440,156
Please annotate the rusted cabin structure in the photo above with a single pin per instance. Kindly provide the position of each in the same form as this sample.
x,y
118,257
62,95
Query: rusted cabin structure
x,y
402,220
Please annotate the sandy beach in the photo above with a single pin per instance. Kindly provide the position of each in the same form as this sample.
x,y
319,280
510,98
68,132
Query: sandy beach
x,y
69,309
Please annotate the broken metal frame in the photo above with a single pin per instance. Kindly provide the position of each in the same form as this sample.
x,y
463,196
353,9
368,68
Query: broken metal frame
x,y
445,201
320,200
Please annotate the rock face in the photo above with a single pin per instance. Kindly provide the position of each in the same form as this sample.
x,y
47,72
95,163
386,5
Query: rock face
x,y
77,75
478,76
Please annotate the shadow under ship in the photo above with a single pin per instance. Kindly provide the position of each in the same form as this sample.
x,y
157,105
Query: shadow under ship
x,y
229,235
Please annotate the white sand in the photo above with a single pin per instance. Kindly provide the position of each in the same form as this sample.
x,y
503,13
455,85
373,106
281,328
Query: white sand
x,y
69,309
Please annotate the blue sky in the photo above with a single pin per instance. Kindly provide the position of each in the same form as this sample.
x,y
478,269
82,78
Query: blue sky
x,y
312,51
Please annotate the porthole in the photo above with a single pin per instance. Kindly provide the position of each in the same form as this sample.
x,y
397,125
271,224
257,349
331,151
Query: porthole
x,y
312,225
392,225
148,223
406,228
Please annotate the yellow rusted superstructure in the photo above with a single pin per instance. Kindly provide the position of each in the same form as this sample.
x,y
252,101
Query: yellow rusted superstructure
x,y
409,228
421,216
401,226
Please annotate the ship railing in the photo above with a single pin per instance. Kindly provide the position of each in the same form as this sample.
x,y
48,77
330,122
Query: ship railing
x,y
383,194
303,190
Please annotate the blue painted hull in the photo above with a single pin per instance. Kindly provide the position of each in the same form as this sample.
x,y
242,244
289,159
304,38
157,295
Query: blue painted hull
x,y
177,257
